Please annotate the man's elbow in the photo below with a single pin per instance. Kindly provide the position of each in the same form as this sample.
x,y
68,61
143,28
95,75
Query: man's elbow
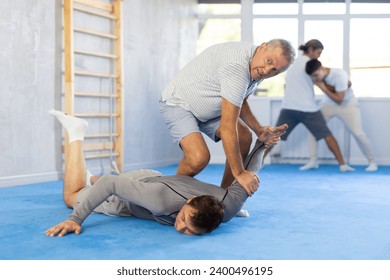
x,y
339,98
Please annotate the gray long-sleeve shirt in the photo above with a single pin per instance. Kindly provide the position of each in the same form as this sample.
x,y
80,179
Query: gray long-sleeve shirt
x,y
160,198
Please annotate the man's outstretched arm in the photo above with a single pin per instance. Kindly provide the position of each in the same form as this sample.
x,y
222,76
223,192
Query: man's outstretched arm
x,y
238,194
230,142
255,158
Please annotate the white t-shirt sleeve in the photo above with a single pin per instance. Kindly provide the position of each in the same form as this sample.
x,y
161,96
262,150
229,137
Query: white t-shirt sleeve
x,y
234,83
341,81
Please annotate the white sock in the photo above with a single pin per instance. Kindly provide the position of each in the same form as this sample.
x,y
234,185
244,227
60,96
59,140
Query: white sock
x,y
312,164
372,167
346,168
74,126
115,168
243,213
88,178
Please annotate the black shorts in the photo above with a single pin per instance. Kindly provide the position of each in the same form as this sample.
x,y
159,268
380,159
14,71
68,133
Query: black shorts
x,y
314,121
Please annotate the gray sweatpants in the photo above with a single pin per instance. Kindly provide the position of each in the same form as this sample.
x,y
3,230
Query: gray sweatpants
x,y
114,206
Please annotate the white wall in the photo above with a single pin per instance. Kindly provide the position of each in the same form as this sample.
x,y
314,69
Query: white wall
x,y
159,38
30,79
375,118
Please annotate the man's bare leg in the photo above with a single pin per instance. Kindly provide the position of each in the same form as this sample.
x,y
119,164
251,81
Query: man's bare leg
x,y
75,172
196,155
75,166
335,149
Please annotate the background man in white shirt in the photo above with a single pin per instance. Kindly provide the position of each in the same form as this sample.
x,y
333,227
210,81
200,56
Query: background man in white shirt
x,y
338,101
299,104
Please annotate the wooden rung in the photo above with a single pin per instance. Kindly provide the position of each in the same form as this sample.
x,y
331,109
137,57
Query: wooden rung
x,y
100,155
95,146
98,146
370,67
94,115
93,12
96,4
95,94
94,74
99,54
95,33
103,135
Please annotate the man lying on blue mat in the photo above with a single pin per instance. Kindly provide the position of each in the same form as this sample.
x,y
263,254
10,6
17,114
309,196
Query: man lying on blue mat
x,y
192,206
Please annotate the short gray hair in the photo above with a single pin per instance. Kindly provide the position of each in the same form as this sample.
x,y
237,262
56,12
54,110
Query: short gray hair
x,y
288,50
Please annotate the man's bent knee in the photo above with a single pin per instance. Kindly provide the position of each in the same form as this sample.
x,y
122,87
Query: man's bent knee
x,y
196,153
197,161
70,200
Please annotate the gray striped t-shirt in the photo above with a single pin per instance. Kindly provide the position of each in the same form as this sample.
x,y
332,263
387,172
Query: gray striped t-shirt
x,y
220,71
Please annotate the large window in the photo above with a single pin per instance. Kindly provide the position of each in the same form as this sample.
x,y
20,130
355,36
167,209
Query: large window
x,y
214,31
275,8
218,23
369,56
354,34
328,32
323,8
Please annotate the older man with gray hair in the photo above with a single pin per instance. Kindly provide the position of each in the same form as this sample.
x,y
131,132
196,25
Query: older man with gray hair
x,y
210,95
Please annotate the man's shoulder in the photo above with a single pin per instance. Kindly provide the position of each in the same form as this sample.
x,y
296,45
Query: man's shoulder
x,y
231,47
233,44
